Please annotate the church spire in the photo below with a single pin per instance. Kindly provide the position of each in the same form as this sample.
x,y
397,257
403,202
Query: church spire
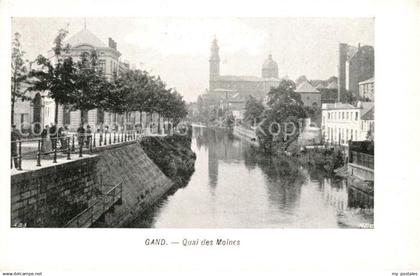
x,y
214,63
214,54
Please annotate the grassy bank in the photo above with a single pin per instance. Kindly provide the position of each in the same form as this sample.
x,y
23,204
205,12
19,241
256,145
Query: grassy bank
x,y
325,159
173,155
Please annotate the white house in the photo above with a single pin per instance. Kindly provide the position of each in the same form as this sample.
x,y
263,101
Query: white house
x,y
342,122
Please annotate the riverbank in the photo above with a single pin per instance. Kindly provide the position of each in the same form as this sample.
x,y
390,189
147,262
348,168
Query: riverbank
x,y
173,156
321,158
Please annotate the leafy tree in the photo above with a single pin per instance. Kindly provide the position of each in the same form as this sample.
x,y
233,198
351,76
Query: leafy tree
x,y
19,74
92,89
281,124
253,110
284,94
57,76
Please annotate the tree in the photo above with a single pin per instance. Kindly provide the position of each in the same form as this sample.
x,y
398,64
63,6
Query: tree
x,y
253,110
19,74
57,76
281,124
284,94
92,90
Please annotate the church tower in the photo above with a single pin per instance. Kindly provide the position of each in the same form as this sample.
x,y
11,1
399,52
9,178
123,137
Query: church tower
x,y
214,64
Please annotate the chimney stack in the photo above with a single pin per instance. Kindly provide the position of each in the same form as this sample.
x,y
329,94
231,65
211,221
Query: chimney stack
x,y
112,44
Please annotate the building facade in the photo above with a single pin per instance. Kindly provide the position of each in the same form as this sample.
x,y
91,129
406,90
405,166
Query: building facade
x,y
110,65
342,122
355,64
254,86
310,95
34,113
367,89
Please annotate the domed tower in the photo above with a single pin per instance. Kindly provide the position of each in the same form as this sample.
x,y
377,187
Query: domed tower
x,y
270,68
214,63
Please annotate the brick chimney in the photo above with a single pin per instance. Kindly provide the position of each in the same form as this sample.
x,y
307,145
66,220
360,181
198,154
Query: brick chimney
x,y
112,44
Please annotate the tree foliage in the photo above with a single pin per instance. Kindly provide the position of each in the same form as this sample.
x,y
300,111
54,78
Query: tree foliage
x,y
56,75
19,74
281,124
254,109
83,86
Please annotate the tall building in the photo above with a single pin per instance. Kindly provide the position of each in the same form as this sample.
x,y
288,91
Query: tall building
x,y
355,64
110,65
225,85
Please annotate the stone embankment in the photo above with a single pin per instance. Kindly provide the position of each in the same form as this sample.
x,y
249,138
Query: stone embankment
x,y
51,196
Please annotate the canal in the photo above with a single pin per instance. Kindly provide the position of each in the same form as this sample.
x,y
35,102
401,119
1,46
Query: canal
x,y
235,186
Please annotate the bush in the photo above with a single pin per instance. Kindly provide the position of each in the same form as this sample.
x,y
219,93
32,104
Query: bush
x,y
173,155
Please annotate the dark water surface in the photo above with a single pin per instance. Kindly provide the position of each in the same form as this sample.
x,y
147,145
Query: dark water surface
x,y
234,186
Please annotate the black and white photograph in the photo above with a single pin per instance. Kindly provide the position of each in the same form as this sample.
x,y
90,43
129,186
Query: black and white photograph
x,y
207,123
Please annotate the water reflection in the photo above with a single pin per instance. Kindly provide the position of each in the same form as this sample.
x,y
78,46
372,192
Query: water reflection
x,y
236,186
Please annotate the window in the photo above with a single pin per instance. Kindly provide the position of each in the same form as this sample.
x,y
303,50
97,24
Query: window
x,y
347,115
102,66
351,135
355,134
356,116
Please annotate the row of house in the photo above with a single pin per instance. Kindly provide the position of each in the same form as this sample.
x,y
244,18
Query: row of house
x,y
40,109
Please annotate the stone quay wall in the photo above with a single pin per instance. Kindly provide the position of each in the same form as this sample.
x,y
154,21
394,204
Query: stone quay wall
x,y
51,196
142,181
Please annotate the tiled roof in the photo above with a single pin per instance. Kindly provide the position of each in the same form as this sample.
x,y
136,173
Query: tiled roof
x,y
370,115
332,85
306,87
366,107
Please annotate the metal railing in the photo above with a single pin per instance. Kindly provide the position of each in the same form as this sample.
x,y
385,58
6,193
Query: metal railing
x,y
66,146
91,214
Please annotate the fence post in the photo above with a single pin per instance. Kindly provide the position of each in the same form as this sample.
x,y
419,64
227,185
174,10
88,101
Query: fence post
x,y
105,139
90,142
100,139
68,148
72,146
38,155
55,151
110,141
81,148
20,156
118,137
94,139
115,139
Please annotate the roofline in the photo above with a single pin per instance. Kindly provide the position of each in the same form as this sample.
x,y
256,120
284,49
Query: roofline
x,y
370,80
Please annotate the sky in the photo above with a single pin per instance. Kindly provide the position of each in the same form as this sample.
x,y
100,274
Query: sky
x,y
178,48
